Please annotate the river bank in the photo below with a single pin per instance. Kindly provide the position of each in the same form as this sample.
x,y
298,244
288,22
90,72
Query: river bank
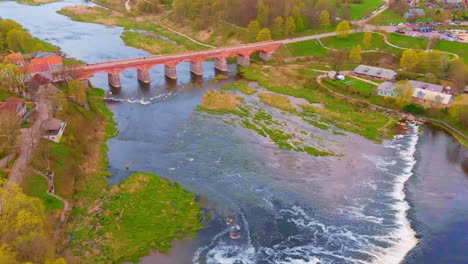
x,y
290,206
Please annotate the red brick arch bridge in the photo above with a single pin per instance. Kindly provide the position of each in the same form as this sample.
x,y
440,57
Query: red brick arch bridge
x,y
170,61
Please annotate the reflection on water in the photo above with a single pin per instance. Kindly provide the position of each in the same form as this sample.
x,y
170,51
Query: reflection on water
x,y
290,207
438,193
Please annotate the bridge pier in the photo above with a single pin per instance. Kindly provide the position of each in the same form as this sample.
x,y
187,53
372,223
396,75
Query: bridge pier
x,y
243,60
170,72
143,76
266,56
196,68
114,80
221,64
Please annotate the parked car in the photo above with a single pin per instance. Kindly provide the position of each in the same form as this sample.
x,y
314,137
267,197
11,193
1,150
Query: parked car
x,y
400,31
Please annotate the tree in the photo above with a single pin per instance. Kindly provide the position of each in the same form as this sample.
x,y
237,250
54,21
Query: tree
x,y
77,91
367,40
19,40
404,91
459,110
343,28
355,54
9,129
458,72
12,78
409,60
290,26
324,18
278,27
253,28
22,227
264,35
263,13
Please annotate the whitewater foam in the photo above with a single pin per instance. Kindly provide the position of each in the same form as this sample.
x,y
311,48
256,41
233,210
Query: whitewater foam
x,y
404,234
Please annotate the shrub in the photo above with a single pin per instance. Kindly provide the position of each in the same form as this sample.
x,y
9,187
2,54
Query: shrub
x,y
414,109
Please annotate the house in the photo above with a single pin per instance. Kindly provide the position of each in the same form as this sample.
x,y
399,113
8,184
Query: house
x,y
334,75
13,105
386,89
424,93
375,72
432,98
44,58
35,85
427,86
418,12
53,129
15,58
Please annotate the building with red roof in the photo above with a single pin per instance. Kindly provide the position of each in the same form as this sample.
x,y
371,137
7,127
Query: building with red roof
x,y
13,105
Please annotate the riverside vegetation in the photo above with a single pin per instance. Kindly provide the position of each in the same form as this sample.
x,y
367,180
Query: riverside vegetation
x,y
80,165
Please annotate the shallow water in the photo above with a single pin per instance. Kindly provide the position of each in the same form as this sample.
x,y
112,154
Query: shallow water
x,y
291,207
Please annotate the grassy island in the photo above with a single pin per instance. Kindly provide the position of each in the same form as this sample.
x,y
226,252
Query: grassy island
x,y
142,213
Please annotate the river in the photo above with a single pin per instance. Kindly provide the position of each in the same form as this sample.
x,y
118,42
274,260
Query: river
x,y
400,201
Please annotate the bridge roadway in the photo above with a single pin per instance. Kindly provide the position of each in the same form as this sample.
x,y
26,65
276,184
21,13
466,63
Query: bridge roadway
x,y
170,61
143,65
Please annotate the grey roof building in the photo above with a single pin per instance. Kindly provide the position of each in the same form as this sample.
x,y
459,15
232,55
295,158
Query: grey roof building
x,y
386,89
375,72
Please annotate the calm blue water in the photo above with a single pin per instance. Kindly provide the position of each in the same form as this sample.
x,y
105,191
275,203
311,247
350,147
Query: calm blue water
x,y
290,207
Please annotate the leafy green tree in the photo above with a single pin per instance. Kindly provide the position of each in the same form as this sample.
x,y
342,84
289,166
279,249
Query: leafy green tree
x,y
290,26
253,28
22,227
263,13
12,78
343,28
409,60
324,18
77,91
9,129
264,35
278,27
367,40
355,54
19,40
404,91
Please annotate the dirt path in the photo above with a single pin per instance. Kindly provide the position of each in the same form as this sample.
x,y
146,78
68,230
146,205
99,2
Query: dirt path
x,y
27,139
66,205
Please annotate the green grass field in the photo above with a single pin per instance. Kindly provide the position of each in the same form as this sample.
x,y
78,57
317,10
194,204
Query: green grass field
x,y
386,17
37,186
142,213
306,48
358,11
407,41
377,44
459,48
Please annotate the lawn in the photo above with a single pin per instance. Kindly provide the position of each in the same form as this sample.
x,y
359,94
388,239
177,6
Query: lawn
x,y
459,48
142,213
359,11
386,17
306,48
355,39
407,41
36,185
357,85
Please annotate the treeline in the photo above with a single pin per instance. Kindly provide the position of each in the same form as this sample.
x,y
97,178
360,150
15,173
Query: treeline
x,y
13,37
268,13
